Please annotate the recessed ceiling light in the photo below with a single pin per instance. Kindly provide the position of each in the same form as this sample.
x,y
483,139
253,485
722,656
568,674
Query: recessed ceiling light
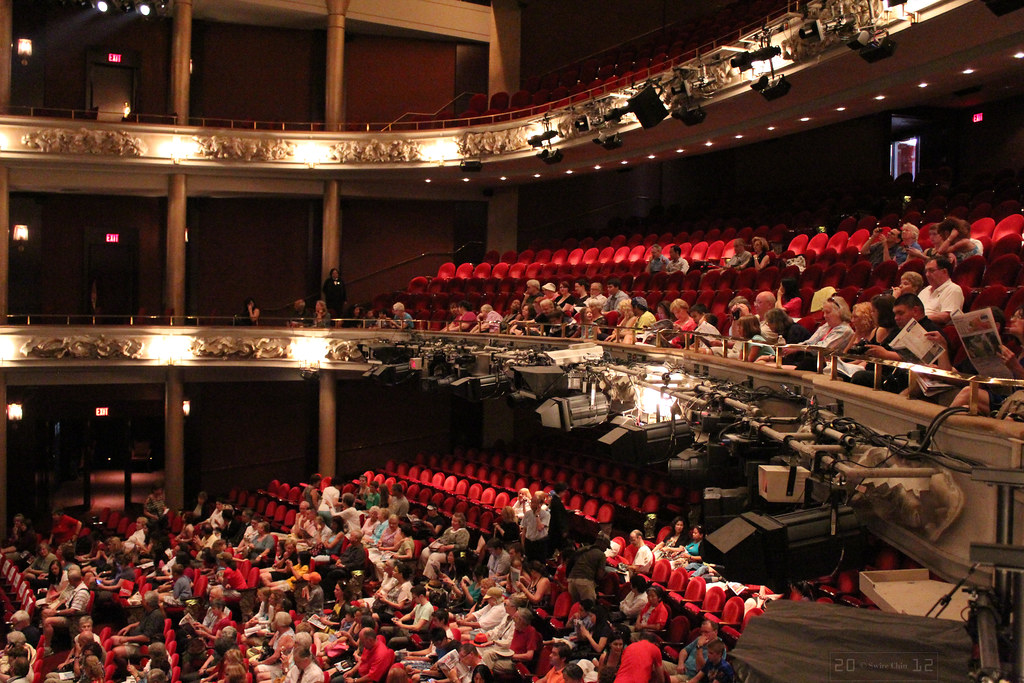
x,y
771,127
598,167
805,118
503,178
465,180
879,97
922,85
569,172
739,137
536,175
1019,55
967,72
708,143
840,108
427,180
623,162
650,156
680,150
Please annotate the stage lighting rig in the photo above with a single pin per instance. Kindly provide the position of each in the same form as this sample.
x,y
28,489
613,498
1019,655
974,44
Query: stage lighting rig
x,y
609,142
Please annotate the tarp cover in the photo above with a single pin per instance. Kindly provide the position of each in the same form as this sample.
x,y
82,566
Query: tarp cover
x,y
810,641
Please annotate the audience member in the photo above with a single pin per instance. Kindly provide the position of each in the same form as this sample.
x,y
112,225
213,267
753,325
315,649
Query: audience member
x,y
741,258
657,262
942,297
615,294
676,262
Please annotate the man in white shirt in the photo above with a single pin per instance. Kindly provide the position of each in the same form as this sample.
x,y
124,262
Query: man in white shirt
x,y
643,561
535,529
349,513
942,297
304,669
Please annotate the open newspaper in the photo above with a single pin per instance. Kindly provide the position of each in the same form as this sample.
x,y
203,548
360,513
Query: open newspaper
x,y
914,347
979,333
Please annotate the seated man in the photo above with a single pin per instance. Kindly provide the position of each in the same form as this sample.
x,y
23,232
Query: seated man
x,y
742,258
942,297
71,606
351,563
658,262
64,529
129,641
643,561
374,662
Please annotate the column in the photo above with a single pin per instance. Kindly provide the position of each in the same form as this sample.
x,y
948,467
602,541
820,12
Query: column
x,y
505,47
6,51
181,60
327,462
331,232
503,219
174,282
174,439
334,107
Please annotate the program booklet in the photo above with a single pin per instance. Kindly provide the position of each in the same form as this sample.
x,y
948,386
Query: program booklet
x,y
979,333
914,347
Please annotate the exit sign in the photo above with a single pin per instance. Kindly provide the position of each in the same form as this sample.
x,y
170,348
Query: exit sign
x,y
978,118
114,57
102,411
113,237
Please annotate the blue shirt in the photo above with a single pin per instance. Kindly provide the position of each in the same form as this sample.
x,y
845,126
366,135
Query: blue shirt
x,y
404,319
720,673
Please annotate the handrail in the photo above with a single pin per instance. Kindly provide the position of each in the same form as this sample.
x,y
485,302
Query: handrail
x,y
450,254
596,209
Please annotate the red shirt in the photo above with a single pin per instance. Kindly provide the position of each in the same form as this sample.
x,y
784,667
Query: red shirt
x,y
638,660
64,529
656,617
376,661
234,579
524,641
793,307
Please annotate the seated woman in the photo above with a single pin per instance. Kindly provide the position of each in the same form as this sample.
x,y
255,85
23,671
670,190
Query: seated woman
x,y
386,546
761,253
592,319
748,327
682,319
862,322
281,569
833,334
280,646
957,243
535,584
788,297
623,332
674,545
911,282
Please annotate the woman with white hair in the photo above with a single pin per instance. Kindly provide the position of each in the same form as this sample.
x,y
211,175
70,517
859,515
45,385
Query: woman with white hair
x,y
908,246
834,334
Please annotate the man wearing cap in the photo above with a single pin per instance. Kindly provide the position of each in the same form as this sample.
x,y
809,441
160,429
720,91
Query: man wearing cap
x,y
615,295
313,593
435,520
549,290
489,615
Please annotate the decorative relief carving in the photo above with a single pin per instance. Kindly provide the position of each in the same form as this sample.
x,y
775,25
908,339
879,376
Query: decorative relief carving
x,y
233,347
84,347
492,142
344,350
242,148
375,151
85,141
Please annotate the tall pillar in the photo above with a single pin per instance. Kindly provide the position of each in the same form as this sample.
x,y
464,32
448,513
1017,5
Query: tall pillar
x,y
6,52
505,46
331,232
327,461
174,439
3,450
5,242
174,287
181,60
503,219
334,107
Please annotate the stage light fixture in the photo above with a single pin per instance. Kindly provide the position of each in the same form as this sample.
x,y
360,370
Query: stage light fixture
x,y
746,60
540,138
615,114
609,142
582,410
771,90
102,5
582,124
872,48
144,9
550,156
690,117
648,107
812,31
471,166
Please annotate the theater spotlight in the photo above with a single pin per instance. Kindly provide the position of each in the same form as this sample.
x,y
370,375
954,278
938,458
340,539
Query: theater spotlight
x,y
144,9
540,138
582,410
690,117
771,90
582,124
746,60
471,166
648,107
102,5
609,142
550,156
812,31
872,48
615,114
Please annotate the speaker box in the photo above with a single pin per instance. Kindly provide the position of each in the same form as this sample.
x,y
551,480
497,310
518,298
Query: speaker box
x,y
811,548
648,107
751,548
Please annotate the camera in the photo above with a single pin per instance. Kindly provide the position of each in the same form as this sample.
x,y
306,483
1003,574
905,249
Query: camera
x,y
736,313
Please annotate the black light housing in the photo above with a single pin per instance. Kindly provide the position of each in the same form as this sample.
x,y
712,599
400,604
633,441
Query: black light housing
x,y
1001,7
540,138
648,107
690,117
610,142
746,60
871,48
581,124
471,166
550,156
771,90
812,31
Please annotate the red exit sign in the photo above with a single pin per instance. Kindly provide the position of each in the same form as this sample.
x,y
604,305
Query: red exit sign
x,y
113,57
102,412
978,118
113,237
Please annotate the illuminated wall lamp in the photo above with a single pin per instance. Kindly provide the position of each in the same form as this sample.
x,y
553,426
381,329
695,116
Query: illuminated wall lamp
x,y
186,407
14,412
24,50
19,233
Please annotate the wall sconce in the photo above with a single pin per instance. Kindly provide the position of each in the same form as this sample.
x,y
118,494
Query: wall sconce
x,y
14,412
310,154
308,351
170,350
24,50
186,407
19,233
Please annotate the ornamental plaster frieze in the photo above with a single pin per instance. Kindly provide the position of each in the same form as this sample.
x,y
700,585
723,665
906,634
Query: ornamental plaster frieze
x,y
237,148
85,347
85,141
